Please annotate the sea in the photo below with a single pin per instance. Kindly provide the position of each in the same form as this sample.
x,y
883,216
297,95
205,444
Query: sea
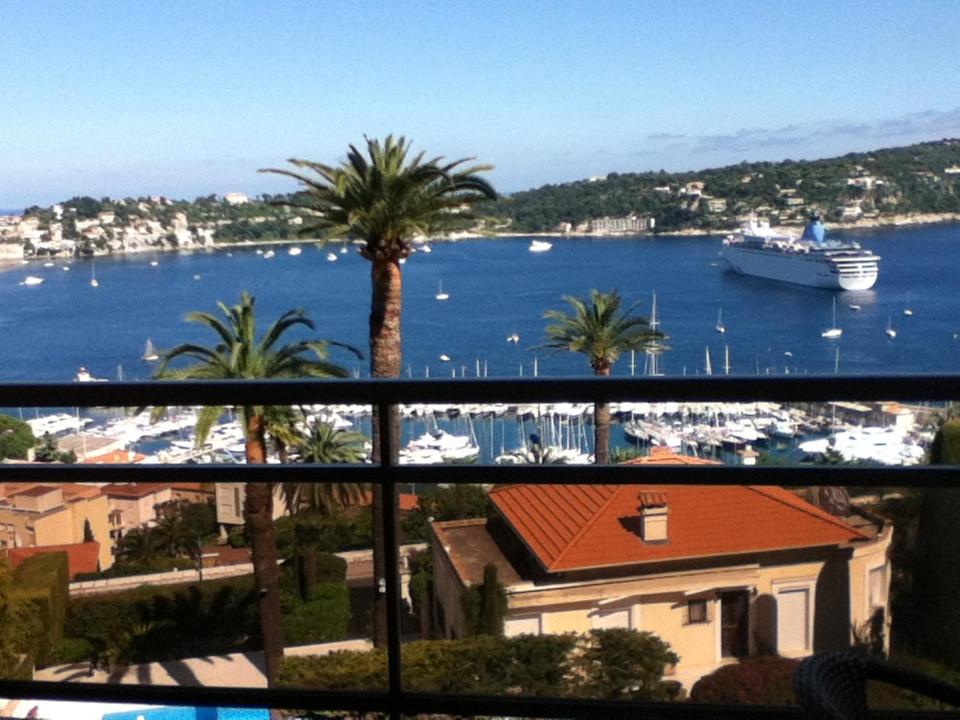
x,y
497,289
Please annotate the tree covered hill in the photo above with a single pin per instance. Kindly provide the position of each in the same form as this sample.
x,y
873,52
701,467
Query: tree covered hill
x,y
922,178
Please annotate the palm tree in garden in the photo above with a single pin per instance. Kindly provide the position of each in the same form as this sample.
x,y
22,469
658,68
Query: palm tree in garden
x,y
600,329
385,198
240,354
326,445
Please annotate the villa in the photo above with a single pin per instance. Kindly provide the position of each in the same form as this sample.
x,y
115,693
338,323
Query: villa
x,y
718,572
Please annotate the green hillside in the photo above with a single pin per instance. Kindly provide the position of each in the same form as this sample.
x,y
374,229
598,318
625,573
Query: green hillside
x,y
886,182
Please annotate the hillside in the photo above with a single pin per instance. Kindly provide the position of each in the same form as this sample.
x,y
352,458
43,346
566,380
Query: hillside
x,y
876,186
922,178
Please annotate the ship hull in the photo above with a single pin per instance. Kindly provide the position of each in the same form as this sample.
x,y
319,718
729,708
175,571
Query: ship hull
x,y
808,270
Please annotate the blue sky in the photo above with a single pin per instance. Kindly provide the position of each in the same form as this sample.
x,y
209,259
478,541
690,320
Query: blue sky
x,y
189,98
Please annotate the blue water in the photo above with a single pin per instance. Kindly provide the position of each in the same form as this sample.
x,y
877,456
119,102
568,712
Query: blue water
x,y
496,288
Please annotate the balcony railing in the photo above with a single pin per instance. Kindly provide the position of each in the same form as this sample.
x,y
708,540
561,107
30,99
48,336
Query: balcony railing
x,y
384,394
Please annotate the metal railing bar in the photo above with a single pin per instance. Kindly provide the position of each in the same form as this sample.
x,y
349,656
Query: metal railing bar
x,y
788,476
392,560
804,388
404,703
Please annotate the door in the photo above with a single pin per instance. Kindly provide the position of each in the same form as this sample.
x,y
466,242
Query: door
x,y
734,624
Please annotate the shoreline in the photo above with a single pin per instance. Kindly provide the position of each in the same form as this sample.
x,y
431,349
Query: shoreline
x,y
906,220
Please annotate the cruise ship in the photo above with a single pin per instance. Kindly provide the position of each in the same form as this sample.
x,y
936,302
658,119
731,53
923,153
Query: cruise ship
x,y
756,249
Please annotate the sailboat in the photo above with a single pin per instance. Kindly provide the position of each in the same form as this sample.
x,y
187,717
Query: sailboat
x,y
149,352
908,311
720,327
653,350
833,331
726,359
93,274
891,333
441,295
708,367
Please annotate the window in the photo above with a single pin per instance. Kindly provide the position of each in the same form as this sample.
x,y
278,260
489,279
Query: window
x,y
793,620
697,612
877,587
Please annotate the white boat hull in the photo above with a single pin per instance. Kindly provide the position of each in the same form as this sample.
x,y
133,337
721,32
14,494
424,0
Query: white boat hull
x,y
811,271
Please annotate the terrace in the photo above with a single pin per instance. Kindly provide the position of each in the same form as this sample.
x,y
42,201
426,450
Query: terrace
x,y
395,700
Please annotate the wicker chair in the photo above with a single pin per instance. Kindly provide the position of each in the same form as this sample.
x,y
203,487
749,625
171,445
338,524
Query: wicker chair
x,y
833,686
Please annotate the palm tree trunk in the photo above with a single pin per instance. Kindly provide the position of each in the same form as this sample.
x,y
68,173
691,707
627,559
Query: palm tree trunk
x,y
258,512
385,348
601,426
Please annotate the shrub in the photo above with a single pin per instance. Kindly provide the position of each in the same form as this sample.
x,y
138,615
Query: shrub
x,y
545,665
541,664
42,583
71,650
621,663
766,680
217,616
323,618
331,568
344,670
888,697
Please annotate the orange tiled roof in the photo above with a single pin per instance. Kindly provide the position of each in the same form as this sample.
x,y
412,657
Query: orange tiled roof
x,y
133,490
405,501
569,527
81,557
665,456
114,457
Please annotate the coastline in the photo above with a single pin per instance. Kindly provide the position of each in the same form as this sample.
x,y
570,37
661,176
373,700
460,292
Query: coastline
x,y
904,220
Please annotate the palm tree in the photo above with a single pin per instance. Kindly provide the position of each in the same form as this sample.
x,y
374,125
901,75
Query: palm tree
x,y
385,199
601,330
327,445
240,355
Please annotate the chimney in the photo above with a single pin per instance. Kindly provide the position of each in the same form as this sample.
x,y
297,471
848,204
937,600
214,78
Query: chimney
x,y
653,517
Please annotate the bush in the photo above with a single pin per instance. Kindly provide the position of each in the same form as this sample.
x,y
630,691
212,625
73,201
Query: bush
x,y
547,665
621,663
323,618
344,670
42,583
766,680
216,617
888,697
331,568
71,650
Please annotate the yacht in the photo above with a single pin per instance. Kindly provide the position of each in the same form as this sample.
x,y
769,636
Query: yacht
x,y
269,254
83,375
331,257
539,246
295,250
756,249
32,280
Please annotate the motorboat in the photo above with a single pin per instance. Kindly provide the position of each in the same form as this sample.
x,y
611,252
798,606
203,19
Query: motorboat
x,y
539,246
294,251
331,257
32,280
